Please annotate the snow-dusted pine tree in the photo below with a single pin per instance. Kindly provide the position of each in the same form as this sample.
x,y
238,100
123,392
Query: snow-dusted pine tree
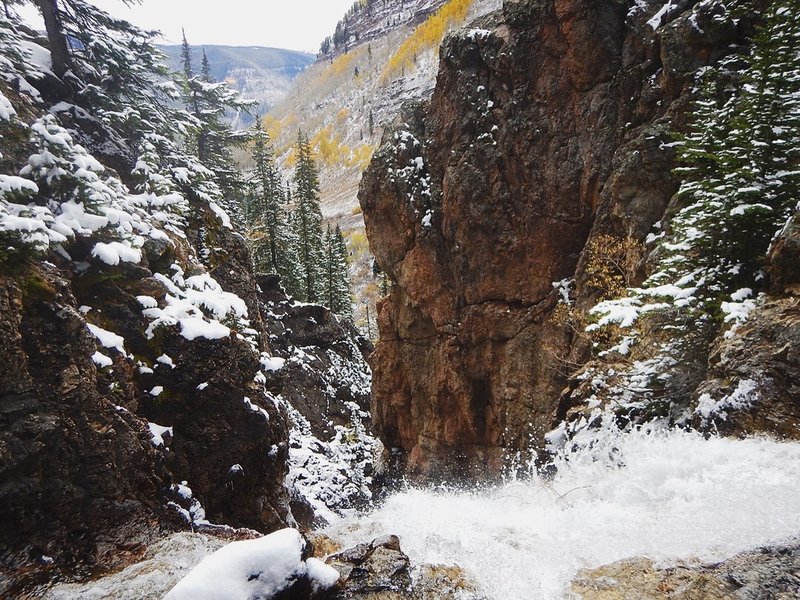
x,y
208,101
337,279
741,182
266,219
307,222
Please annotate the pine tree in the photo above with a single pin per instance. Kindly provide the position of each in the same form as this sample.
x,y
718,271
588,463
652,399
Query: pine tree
x,y
273,250
291,273
208,101
337,277
740,184
205,69
307,222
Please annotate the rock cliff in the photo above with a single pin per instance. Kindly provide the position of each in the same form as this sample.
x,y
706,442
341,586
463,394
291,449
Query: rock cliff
x,y
546,139
105,415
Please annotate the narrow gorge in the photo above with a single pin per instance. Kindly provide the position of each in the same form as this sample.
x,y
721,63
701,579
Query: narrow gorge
x,y
586,378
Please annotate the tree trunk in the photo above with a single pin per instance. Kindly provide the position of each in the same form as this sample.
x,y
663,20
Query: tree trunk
x,y
55,35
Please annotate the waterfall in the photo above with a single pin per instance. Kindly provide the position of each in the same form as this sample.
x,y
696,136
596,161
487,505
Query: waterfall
x,y
665,495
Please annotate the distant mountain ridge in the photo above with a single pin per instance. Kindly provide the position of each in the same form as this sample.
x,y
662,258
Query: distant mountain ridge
x,y
260,73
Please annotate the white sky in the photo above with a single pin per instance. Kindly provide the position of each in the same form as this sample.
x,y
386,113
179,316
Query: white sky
x,y
292,24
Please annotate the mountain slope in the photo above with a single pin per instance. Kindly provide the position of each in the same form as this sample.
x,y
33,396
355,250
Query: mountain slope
x,y
344,102
147,377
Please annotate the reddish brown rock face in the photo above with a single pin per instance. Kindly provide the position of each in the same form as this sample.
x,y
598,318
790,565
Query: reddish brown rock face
x,y
543,130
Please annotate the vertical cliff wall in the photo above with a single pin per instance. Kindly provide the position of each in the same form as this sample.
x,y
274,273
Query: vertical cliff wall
x,y
547,131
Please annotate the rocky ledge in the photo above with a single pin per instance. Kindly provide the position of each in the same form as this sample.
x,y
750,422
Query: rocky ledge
x,y
770,572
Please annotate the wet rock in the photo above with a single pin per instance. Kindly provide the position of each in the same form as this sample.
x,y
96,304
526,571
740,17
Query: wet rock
x,y
381,571
770,572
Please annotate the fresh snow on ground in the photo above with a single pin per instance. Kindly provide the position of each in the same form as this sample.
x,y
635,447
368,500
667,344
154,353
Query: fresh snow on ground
x,y
664,495
114,253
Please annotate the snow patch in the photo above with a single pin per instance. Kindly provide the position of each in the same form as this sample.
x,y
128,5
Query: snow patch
x,y
158,432
114,253
107,338
260,568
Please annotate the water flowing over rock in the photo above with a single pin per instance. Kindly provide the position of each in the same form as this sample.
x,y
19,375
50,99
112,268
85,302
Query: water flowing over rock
x,y
547,133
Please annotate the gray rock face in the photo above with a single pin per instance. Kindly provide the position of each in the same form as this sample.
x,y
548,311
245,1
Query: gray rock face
x,y
330,378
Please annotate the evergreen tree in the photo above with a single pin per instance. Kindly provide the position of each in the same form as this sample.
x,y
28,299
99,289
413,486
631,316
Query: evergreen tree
x,y
273,250
208,102
739,169
307,223
337,277
291,274
205,69
741,183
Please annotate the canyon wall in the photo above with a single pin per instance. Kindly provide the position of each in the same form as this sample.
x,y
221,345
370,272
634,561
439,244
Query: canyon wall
x,y
547,135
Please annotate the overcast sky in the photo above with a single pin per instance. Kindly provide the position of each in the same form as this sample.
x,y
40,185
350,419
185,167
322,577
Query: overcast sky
x,y
293,24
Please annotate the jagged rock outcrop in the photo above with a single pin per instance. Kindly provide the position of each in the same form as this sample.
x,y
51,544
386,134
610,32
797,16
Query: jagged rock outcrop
x,y
320,371
80,482
547,130
83,481
310,335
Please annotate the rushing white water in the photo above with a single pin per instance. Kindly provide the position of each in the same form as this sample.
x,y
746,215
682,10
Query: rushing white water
x,y
662,495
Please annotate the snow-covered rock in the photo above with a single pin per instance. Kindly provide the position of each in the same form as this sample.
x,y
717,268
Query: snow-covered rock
x,y
260,568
